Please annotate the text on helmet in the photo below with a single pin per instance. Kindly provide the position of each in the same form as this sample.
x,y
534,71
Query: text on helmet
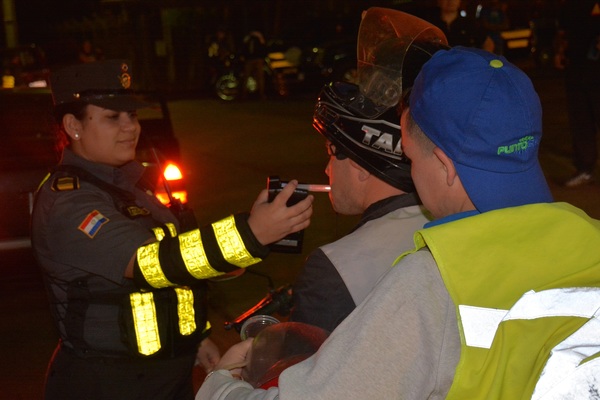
x,y
381,140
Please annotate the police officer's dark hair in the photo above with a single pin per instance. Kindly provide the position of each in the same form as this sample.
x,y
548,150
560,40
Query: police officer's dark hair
x,y
78,109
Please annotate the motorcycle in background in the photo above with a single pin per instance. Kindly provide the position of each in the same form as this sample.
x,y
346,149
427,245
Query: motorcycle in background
x,y
281,72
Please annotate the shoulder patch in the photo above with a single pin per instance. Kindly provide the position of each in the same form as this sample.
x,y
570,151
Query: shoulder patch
x,y
65,183
92,223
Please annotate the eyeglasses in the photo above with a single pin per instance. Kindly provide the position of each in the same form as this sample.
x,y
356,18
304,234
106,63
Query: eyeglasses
x,y
333,152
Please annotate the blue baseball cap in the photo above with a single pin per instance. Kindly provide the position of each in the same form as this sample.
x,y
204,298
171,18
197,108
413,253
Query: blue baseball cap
x,y
484,113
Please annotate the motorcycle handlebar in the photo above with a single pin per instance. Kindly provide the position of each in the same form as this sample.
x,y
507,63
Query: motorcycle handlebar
x,y
276,301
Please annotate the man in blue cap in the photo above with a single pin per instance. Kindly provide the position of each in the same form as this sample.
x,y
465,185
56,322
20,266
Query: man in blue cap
x,y
500,297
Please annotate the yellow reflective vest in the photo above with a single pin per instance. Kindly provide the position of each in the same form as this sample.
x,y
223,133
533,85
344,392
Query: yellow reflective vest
x,y
526,285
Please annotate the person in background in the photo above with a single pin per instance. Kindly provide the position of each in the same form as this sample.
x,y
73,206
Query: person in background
x,y
544,23
578,54
495,301
460,30
494,20
126,277
220,47
368,175
254,52
89,53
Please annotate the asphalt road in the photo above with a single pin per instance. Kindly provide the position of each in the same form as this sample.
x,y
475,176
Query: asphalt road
x,y
230,149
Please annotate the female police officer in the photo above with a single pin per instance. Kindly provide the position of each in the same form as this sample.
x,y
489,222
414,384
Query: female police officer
x,y
124,278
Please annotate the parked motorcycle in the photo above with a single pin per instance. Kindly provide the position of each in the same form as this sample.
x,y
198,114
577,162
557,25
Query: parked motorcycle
x,y
280,74
228,86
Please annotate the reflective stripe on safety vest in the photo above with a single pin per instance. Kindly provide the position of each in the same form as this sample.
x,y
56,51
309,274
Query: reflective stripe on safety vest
x,y
146,325
159,232
142,304
185,311
231,243
573,368
172,230
147,258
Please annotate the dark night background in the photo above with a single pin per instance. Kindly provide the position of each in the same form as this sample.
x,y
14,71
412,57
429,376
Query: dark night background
x,y
166,39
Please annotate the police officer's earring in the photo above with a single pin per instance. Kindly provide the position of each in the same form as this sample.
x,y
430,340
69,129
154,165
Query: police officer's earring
x,y
76,135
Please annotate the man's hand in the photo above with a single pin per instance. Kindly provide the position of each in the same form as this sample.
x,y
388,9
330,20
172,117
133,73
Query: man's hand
x,y
273,221
208,355
236,357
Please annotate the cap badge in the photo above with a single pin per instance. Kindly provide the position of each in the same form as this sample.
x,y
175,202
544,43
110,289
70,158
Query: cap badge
x,y
125,78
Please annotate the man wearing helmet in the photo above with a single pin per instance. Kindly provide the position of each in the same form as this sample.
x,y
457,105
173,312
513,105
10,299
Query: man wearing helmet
x,y
368,174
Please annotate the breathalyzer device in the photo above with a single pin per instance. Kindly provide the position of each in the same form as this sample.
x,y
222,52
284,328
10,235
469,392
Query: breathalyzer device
x,y
292,243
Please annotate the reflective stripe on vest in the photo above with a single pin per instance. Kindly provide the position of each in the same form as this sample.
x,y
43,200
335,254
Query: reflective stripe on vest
x,y
159,232
185,311
146,326
172,230
231,243
144,309
567,371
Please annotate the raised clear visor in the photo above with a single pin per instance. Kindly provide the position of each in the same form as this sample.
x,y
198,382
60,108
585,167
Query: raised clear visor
x,y
384,39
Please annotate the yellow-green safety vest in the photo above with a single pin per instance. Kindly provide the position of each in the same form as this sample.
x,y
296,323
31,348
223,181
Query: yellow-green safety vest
x,y
526,285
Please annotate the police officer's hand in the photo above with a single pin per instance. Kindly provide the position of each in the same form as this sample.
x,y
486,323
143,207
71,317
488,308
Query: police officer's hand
x,y
273,221
208,355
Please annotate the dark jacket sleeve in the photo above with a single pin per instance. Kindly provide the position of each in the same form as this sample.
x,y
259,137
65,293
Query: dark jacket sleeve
x,y
320,296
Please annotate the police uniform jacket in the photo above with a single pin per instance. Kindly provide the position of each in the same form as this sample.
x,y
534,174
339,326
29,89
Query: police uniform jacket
x,y
84,242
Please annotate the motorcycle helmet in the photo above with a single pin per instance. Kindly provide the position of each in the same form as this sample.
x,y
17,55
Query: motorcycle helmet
x,y
362,121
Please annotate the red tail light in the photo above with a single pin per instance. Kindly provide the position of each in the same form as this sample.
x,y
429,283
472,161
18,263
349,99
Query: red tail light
x,y
172,173
174,183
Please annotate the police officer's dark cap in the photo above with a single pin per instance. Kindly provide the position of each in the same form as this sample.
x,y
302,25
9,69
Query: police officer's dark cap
x,y
105,84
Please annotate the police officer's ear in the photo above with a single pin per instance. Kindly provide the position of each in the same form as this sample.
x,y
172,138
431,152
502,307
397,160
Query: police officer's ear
x,y
362,173
73,126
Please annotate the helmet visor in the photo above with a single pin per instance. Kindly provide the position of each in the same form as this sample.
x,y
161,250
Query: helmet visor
x,y
384,38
